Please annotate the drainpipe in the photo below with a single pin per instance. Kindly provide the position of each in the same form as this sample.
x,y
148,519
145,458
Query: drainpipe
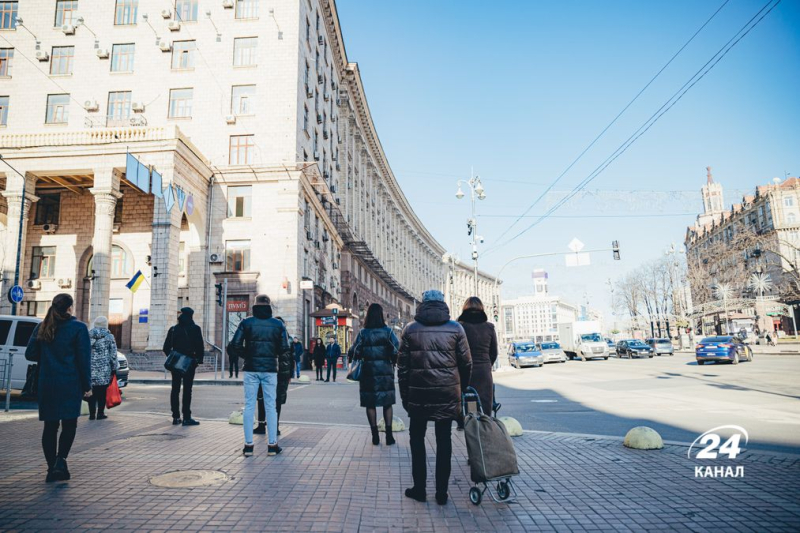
x,y
207,309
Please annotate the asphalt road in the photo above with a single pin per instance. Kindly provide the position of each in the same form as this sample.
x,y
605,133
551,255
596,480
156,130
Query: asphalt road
x,y
671,394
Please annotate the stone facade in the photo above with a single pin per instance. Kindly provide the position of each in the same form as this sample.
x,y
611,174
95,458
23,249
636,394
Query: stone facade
x,y
534,318
257,97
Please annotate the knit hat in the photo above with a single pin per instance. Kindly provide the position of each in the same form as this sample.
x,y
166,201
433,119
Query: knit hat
x,y
263,299
432,295
100,322
188,311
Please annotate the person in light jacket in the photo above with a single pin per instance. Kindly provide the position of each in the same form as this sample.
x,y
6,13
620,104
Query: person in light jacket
x,y
60,345
104,365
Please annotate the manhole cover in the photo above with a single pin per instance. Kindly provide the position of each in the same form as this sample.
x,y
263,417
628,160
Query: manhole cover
x,y
187,479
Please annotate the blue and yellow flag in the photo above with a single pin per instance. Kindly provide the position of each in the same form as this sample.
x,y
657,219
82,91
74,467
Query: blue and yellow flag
x,y
135,281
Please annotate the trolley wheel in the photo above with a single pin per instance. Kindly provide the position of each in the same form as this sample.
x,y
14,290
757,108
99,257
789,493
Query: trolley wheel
x,y
503,490
475,495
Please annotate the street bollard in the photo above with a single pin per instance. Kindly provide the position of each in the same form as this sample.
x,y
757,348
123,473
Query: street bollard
x,y
9,366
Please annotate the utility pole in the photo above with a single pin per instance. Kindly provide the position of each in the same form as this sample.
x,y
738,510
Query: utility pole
x,y
476,192
22,216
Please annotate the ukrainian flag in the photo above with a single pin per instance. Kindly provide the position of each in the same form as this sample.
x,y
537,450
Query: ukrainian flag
x,y
135,281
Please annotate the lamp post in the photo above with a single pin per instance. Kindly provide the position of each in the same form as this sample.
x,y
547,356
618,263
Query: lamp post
x,y
450,260
476,191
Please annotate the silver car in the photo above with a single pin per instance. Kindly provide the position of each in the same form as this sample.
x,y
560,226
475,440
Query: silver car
x,y
552,352
661,346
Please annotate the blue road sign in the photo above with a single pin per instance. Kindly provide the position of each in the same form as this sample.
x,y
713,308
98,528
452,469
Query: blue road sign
x,y
328,320
16,294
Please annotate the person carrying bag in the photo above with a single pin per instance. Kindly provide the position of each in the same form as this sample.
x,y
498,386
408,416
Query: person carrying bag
x,y
184,348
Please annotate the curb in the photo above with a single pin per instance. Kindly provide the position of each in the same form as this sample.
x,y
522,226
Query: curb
x,y
221,382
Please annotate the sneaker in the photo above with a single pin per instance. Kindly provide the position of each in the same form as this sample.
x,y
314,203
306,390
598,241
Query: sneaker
x,y
248,450
261,429
274,449
176,421
191,422
415,494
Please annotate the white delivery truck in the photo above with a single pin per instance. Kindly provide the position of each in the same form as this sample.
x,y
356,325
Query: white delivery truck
x,y
582,339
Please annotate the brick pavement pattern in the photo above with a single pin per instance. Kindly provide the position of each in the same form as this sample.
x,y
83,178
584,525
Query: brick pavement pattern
x,y
331,478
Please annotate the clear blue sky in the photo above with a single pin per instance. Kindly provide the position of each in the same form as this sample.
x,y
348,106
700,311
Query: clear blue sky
x,y
518,89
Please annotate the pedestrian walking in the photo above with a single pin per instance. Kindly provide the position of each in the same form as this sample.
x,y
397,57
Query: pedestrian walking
x,y
60,346
104,365
319,357
233,366
262,342
482,341
434,367
332,354
298,356
185,337
376,347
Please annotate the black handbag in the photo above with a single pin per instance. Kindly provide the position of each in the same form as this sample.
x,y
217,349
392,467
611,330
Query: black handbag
x,y
31,387
178,362
355,371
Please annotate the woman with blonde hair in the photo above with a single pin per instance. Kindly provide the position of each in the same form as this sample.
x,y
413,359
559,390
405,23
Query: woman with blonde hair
x,y
60,345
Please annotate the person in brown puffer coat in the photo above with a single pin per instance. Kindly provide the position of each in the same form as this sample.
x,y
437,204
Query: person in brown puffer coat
x,y
483,348
434,367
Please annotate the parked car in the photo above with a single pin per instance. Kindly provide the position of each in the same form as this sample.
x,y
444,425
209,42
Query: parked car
x,y
723,348
611,345
661,346
15,331
123,371
552,352
634,347
522,354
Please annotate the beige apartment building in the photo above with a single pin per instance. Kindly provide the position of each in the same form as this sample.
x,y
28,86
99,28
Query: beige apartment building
x,y
460,285
265,167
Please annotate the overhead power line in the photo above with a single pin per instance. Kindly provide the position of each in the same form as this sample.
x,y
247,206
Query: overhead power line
x,y
674,99
643,89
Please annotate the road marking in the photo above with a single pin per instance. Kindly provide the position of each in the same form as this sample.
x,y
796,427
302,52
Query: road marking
x,y
544,401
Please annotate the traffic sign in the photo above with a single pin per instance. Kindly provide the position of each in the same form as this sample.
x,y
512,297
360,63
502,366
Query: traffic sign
x,y
16,294
328,320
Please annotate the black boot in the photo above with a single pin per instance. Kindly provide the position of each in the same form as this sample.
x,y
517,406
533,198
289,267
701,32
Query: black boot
x,y
261,429
389,436
60,471
376,439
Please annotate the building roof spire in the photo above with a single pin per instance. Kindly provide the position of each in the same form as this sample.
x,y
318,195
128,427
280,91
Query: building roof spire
x,y
709,178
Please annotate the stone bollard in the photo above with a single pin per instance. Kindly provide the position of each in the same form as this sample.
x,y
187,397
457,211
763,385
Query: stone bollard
x,y
236,418
512,425
304,379
397,424
643,438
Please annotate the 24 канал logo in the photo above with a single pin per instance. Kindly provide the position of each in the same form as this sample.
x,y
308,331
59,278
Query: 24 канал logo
x,y
709,445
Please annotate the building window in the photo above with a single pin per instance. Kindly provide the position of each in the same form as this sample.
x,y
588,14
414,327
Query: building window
x,y
43,262
239,201
180,103
182,259
245,51
308,31
122,57
243,99
61,61
183,53
237,256
120,264
118,211
791,218
6,55
65,10
241,150
788,201
47,209
305,118
38,309
57,109
8,15
125,12
3,110
186,10
246,9
119,108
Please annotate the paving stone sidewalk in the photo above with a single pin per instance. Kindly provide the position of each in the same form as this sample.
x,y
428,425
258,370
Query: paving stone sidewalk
x,y
331,478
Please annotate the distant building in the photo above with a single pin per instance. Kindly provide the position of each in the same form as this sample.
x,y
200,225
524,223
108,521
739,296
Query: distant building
x,y
460,285
535,317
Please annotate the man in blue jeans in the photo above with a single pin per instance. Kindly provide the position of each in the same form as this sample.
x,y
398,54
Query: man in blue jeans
x,y
298,356
261,341
332,354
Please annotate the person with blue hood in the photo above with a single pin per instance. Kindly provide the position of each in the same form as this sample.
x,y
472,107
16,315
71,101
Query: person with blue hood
x,y
185,337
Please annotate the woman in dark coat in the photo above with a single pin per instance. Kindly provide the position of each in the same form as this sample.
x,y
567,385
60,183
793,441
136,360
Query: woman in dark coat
x,y
319,357
61,347
376,347
483,347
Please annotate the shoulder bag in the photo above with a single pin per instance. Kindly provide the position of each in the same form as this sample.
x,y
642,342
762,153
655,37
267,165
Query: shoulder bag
x,y
178,362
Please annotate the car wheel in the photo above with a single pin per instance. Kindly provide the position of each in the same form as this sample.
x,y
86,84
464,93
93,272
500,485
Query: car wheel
x,y
605,358
651,357
699,362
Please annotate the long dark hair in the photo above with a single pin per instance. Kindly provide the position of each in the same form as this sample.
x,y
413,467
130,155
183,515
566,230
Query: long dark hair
x,y
58,313
473,303
374,317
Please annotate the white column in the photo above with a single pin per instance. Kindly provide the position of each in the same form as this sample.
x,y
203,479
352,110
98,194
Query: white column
x,y
16,204
105,201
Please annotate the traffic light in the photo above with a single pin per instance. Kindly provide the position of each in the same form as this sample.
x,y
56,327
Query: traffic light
x,y
219,293
494,312
615,248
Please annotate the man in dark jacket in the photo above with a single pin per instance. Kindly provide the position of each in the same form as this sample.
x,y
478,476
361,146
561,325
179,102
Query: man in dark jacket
x,y
332,354
298,356
261,341
185,337
434,367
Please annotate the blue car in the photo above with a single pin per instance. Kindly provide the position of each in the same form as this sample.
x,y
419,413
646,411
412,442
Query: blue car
x,y
524,354
724,348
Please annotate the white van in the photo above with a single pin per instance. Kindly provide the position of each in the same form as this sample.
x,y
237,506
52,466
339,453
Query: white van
x,y
15,331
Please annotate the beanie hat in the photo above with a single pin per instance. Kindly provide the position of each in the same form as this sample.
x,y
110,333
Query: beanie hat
x,y
100,322
432,295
